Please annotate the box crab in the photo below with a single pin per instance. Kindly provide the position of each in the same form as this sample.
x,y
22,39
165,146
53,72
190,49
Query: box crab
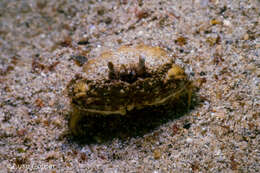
x,y
130,78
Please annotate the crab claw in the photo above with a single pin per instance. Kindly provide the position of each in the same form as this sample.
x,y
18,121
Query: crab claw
x,y
176,73
141,66
80,89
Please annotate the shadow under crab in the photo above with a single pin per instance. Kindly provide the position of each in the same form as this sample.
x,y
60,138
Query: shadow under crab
x,y
101,129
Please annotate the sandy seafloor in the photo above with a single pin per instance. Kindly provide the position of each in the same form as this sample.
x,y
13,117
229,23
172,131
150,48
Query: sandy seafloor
x,y
217,42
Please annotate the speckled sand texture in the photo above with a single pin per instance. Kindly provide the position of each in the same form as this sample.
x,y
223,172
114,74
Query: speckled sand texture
x,y
44,43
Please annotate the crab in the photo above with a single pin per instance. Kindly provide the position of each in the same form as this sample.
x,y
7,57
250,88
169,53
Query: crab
x,y
124,81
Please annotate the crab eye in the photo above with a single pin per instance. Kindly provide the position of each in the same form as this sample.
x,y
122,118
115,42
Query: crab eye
x,y
130,74
111,73
141,66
